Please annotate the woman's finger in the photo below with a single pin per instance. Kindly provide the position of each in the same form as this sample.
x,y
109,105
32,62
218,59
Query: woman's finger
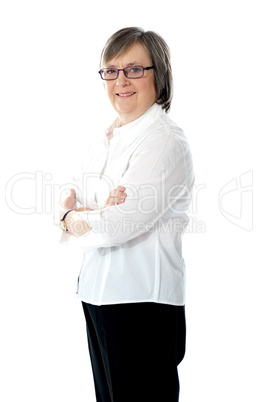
x,y
117,191
115,201
116,196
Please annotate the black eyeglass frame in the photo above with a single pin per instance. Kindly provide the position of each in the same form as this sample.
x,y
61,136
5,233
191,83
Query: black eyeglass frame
x,y
123,69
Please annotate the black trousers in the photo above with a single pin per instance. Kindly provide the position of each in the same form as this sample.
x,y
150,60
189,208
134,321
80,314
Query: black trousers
x,y
135,349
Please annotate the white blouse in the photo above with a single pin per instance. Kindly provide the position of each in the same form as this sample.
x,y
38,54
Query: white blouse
x,y
134,251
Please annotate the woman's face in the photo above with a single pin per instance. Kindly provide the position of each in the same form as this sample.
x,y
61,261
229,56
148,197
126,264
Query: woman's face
x,y
131,97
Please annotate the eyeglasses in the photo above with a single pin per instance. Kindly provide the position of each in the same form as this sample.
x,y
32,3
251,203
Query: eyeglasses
x,y
111,73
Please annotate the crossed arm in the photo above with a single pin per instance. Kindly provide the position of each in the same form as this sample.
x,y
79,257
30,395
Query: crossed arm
x,y
156,186
74,222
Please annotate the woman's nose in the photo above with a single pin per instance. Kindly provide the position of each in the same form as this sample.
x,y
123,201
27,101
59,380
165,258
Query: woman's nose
x,y
121,79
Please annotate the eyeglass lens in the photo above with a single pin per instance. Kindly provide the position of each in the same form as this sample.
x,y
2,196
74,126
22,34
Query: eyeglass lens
x,y
130,72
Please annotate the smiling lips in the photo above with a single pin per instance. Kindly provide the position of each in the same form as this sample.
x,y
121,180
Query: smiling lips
x,y
125,94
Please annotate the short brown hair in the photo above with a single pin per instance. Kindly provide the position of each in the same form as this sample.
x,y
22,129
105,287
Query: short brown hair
x,y
159,53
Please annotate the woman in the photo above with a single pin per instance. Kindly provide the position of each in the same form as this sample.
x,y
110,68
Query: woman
x,y
132,281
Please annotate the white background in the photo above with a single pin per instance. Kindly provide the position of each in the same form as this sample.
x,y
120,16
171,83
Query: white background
x,y
52,103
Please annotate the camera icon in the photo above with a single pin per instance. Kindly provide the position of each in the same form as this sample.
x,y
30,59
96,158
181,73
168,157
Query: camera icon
x,y
236,201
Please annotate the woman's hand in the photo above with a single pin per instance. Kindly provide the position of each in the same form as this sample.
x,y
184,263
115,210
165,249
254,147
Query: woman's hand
x,y
70,201
116,196
75,224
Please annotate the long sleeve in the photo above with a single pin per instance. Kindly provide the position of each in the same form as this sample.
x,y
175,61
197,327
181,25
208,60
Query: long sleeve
x,y
158,183
133,253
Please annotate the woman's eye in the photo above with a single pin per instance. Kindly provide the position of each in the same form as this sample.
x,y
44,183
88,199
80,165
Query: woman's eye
x,y
110,71
134,70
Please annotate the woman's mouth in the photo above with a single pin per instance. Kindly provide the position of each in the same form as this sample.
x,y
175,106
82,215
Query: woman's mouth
x,y
125,94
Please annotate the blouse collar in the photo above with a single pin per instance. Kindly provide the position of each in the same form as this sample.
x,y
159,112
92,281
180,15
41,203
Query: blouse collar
x,y
129,132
